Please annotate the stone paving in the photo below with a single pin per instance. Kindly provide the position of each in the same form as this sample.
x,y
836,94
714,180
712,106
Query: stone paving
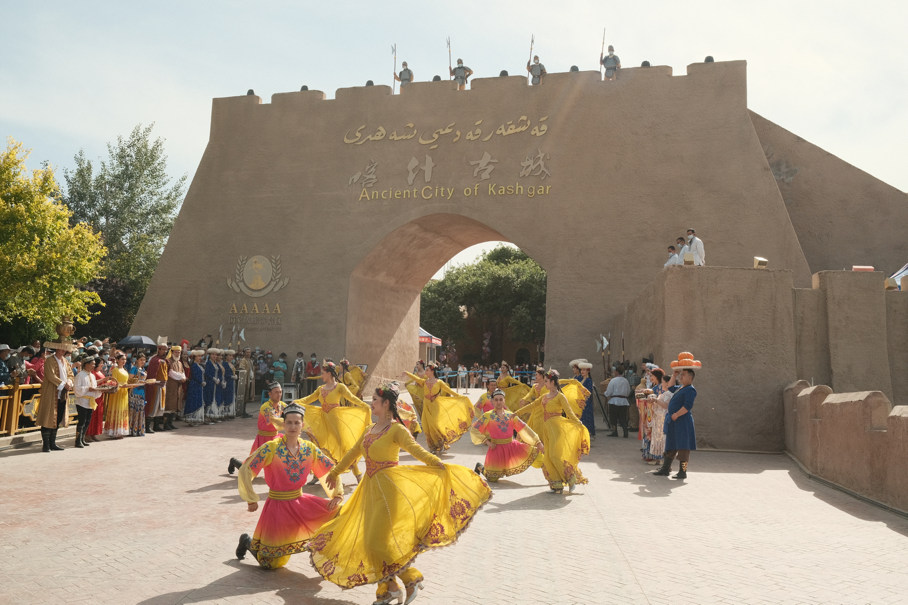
x,y
155,520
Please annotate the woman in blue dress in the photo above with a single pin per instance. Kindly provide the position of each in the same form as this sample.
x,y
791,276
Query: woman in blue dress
x,y
680,437
194,408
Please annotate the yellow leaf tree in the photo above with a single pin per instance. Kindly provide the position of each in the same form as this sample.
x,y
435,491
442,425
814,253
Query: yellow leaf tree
x,y
44,262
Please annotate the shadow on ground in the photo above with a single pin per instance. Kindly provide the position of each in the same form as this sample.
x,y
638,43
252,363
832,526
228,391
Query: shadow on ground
x,y
247,579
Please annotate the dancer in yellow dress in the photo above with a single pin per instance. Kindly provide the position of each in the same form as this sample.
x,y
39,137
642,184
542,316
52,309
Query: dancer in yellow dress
x,y
352,376
415,388
446,416
573,391
396,512
564,437
513,389
340,418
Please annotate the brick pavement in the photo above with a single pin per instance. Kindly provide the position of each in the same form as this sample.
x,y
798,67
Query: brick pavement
x,y
155,521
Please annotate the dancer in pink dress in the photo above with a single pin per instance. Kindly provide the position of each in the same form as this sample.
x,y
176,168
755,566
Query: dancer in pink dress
x,y
507,455
289,517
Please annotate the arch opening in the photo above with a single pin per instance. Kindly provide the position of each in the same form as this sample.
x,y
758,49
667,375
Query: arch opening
x,y
383,307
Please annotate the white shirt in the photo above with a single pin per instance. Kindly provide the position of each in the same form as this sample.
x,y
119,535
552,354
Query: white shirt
x,y
85,389
617,391
61,365
696,246
673,260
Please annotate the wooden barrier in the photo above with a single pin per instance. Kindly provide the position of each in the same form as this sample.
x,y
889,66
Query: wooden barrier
x,y
24,401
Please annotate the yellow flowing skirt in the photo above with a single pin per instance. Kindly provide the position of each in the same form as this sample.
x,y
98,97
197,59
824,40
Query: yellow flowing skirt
x,y
393,516
565,442
513,394
337,431
415,391
445,420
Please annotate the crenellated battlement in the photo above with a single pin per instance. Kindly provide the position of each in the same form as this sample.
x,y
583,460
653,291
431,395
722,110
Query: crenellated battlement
x,y
728,76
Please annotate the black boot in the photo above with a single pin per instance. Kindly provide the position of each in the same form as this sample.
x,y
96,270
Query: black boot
x,y
79,437
479,468
625,432
168,423
45,439
157,425
82,436
666,468
614,433
232,466
149,430
682,474
53,441
243,546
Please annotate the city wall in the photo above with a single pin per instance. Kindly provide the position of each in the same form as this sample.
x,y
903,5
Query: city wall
x,y
313,224
755,334
856,440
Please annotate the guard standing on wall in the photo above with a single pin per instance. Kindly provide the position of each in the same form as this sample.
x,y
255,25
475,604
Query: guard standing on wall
x,y
405,76
537,70
460,74
611,63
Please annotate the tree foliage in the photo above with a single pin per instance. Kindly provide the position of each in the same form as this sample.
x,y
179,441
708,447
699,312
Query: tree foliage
x,y
503,292
45,259
131,200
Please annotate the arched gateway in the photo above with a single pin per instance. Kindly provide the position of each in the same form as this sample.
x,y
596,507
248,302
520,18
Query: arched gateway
x,y
315,223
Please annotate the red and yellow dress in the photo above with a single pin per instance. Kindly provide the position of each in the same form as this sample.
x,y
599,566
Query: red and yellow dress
x,y
289,517
483,404
507,455
395,513
446,416
116,411
270,423
334,425
514,391
565,440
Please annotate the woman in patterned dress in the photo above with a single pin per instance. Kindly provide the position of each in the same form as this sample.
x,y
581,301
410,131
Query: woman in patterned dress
x,y
564,437
289,517
137,374
446,416
396,512
339,419
507,455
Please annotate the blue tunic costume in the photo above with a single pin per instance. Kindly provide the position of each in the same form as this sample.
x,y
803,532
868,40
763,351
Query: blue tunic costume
x,y
211,378
679,434
194,408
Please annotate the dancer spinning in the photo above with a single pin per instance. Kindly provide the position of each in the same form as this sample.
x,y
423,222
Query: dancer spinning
x,y
575,393
396,512
289,517
415,388
335,426
513,389
446,416
352,376
507,455
565,438
270,421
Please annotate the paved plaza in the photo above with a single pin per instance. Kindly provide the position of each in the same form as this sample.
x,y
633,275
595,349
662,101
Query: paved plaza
x,y
155,520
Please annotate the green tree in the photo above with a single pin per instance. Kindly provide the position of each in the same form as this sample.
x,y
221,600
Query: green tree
x,y
503,292
132,201
45,261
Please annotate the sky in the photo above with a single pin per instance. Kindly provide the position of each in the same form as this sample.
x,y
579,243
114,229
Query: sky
x,y
75,75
